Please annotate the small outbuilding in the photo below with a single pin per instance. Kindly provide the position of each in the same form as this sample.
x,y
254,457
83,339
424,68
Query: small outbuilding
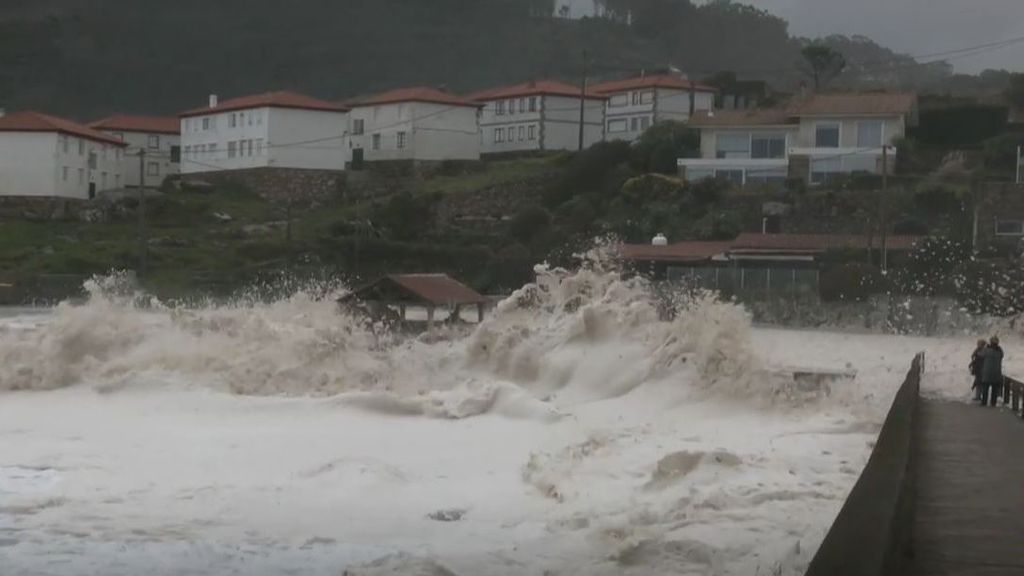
x,y
399,292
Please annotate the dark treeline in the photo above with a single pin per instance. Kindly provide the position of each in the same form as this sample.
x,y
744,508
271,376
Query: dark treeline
x,y
86,58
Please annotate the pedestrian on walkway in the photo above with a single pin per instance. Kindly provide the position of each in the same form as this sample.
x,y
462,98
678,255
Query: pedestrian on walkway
x,y
977,363
992,372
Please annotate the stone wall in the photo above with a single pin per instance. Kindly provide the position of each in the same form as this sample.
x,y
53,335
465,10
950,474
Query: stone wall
x,y
494,203
280,184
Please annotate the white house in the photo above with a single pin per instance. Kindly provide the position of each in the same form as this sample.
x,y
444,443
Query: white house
x,y
542,115
272,130
159,136
634,104
415,124
46,156
815,139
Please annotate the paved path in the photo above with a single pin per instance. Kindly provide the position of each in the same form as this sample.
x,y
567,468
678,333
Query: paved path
x,y
969,517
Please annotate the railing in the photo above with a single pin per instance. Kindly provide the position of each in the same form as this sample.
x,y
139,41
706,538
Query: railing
x,y
871,535
1013,395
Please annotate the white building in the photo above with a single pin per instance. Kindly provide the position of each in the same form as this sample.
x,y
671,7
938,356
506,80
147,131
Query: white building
x,y
816,139
634,104
415,124
45,156
159,136
273,130
543,115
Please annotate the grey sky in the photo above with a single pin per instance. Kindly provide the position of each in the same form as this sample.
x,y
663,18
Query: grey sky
x,y
915,26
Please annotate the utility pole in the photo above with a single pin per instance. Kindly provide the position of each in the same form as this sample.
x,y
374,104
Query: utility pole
x,y
143,242
583,99
882,205
1018,180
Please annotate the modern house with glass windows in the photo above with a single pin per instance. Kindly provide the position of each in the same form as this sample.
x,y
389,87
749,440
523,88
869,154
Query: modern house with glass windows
x,y
816,139
635,104
541,115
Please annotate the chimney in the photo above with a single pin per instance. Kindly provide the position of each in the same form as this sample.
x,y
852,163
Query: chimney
x,y
213,100
2,112
803,90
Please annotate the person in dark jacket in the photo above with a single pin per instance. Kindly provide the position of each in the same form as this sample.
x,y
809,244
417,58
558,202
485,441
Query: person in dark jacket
x,y
977,361
992,372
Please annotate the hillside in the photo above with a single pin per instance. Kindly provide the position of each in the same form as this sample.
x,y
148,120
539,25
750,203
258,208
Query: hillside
x,y
86,58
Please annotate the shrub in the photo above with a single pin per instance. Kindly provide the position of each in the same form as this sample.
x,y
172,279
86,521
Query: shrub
x,y
660,147
529,223
853,282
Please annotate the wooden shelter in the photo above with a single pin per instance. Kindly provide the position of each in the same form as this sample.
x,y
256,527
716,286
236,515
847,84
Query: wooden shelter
x,y
430,291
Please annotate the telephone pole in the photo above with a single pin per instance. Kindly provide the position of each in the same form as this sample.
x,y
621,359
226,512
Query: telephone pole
x,y
583,99
143,242
883,201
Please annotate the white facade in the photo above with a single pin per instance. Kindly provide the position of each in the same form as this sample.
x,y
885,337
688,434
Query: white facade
x,y
539,122
162,156
264,137
412,130
631,112
52,164
833,146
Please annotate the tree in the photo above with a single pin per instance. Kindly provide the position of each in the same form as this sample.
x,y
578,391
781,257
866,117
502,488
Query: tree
x,y
1015,92
823,63
661,146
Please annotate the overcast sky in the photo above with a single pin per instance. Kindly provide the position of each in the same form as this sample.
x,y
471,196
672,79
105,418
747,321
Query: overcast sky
x,y
915,27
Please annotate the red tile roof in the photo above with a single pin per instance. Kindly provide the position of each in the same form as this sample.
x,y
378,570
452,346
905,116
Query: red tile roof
x,y
856,104
150,124
750,117
438,288
537,88
419,94
29,121
269,100
678,252
674,81
815,242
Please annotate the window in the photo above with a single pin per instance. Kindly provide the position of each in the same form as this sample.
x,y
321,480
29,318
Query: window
x,y
617,126
522,133
532,132
211,149
869,134
732,145
1009,227
175,154
259,146
825,170
81,147
117,180
259,117
634,124
64,143
154,142
206,123
81,175
499,135
522,105
618,101
499,109
768,146
376,141
400,139
241,118
358,125
188,151
636,98
152,169
511,105
64,174
647,97
233,121
533,103
730,176
103,179
117,153
232,149
645,123
826,135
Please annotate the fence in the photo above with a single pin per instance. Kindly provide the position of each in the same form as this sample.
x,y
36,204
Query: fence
x,y
1013,395
871,535
735,280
